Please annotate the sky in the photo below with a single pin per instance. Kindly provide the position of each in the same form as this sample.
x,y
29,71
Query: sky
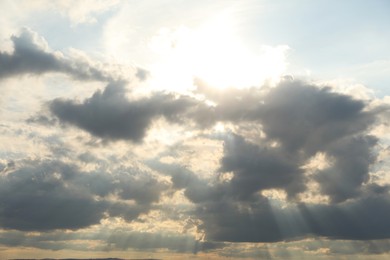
x,y
180,129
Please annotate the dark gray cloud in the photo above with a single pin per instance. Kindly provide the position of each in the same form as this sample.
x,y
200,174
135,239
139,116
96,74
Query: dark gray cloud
x,y
47,195
266,221
314,115
303,120
110,115
258,168
195,189
235,211
362,219
352,158
297,120
35,197
306,118
32,56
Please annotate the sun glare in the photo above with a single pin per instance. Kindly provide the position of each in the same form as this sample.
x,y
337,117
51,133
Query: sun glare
x,y
215,53
219,127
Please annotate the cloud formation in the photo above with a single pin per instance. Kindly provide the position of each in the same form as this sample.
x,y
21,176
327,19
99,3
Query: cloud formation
x,y
50,194
110,115
298,121
31,55
100,157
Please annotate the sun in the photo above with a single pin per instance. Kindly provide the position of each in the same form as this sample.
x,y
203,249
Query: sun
x,y
215,53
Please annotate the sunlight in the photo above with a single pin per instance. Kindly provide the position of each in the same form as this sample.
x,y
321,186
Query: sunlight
x,y
219,127
215,53
275,195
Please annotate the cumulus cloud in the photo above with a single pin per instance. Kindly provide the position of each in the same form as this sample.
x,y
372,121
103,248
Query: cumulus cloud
x,y
315,116
50,194
31,55
258,168
298,121
43,201
111,166
266,221
307,119
289,125
110,115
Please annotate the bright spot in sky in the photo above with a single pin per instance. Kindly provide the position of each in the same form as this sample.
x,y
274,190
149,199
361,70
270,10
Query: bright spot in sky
x,y
219,127
214,53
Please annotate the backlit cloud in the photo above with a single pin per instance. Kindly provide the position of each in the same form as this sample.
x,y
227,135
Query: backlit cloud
x,y
208,152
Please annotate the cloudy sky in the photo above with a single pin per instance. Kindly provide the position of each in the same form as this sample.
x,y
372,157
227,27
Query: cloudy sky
x,y
195,129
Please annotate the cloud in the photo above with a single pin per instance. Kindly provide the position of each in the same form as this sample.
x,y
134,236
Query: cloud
x,y
235,210
298,121
36,197
258,168
110,115
363,219
81,12
265,220
51,241
307,119
314,116
173,242
352,158
195,189
277,131
49,194
31,55
108,240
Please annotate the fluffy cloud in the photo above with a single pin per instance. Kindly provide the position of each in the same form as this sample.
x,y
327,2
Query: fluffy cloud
x,y
277,131
31,55
258,168
225,209
110,115
36,197
289,169
50,194
298,121
266,221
